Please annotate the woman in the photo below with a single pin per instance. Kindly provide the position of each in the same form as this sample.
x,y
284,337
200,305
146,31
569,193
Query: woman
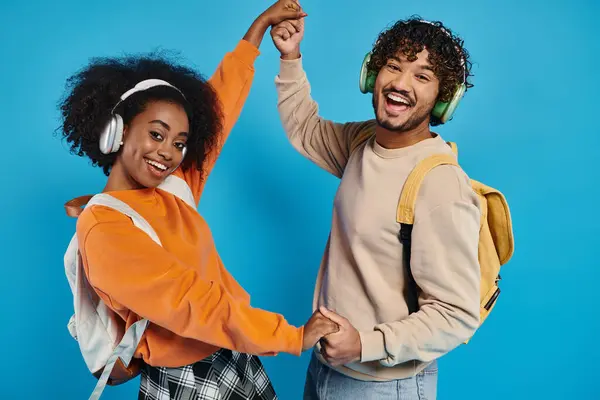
x,y
204,335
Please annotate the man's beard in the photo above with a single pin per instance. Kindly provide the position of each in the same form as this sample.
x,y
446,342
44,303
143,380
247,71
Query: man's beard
x,y
415,120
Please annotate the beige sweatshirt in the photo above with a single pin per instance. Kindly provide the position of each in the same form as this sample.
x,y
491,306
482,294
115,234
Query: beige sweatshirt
x,y
362,276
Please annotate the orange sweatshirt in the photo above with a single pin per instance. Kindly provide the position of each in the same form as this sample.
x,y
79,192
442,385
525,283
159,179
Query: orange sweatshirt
x,y
195,306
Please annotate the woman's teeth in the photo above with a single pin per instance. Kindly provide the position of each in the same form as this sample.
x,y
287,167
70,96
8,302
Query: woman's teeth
x,y
158,165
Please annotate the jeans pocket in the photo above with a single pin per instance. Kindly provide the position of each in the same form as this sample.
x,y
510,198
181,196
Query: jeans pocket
x,y
427,382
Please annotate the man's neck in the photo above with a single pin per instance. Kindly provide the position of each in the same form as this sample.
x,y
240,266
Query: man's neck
x,y
399,139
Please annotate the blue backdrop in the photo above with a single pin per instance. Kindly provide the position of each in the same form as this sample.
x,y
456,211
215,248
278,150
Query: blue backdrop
x,y
525,128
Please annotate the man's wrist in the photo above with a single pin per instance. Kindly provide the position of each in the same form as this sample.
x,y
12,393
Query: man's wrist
x,y
294,55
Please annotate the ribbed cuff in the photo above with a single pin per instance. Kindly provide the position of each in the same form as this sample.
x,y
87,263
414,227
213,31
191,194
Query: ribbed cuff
x,y
246,52
295,340
291,69
373,346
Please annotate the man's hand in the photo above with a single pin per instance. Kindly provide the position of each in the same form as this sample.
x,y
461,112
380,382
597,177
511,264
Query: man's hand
x,y
317,327
287,36
344,346
278,12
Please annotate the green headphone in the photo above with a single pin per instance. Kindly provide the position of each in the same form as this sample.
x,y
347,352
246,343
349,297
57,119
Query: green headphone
x,y
441,110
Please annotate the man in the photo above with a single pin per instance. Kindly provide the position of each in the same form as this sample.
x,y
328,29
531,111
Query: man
x,y
387,345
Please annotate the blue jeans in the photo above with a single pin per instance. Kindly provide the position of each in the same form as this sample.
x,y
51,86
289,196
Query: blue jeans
x,y
324,383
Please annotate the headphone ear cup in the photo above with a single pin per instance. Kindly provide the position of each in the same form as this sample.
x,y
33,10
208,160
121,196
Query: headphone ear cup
x,y
444,111
118,133
183,153
107,136
366,80
439,109
111,135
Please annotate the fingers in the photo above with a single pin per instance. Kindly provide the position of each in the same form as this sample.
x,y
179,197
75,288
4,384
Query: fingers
x,y
316,328
333,316
284,10
295,24
292,15
324,353
292,5
293,10
292,25
324,326
285,30
329,353
281,32
333,355
331,327
286,15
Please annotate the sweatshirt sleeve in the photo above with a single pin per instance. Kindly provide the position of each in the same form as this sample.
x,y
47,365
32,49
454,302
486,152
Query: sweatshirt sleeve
x,y
445,266
231,81
155,285
325,143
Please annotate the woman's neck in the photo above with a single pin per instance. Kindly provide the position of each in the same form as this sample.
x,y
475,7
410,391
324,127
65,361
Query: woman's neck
x,y
118,180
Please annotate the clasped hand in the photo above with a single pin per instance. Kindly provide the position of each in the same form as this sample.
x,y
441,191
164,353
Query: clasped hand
x,y
340,341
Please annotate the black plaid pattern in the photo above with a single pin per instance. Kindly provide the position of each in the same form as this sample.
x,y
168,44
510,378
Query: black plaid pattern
x,y
225,375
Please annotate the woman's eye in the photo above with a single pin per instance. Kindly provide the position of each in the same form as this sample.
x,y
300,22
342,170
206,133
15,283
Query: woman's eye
x,y
156,135
180,146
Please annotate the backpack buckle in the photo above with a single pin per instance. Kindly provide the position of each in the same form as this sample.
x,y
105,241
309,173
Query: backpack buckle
x,y
405,233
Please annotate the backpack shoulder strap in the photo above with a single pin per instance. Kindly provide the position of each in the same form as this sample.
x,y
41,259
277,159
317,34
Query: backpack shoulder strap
x,y
454,147
172,184
107,200
179,187
405,213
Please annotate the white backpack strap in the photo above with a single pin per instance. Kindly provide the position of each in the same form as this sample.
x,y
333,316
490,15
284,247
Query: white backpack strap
x,y
124,351
178,187
131,339
107,200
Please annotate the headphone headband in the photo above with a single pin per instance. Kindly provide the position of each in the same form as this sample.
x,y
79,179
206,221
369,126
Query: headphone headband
x,y
462,56
145,85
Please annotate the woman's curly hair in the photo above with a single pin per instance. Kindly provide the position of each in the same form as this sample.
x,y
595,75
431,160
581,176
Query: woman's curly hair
x,y
446,52
95,90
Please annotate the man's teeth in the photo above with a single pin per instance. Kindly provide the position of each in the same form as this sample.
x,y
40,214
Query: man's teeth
x,y
157,165
398,99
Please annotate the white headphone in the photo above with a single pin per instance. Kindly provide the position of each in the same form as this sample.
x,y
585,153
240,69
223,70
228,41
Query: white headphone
x,y
111,137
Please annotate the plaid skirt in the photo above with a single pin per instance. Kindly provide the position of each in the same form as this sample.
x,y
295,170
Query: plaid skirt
x,y
225,375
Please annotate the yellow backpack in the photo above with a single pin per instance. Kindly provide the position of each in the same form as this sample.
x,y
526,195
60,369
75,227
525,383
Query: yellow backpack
x,y
496,242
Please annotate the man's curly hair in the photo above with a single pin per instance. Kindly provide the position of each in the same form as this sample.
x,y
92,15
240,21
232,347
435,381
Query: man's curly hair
x,y
445,48
95,90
